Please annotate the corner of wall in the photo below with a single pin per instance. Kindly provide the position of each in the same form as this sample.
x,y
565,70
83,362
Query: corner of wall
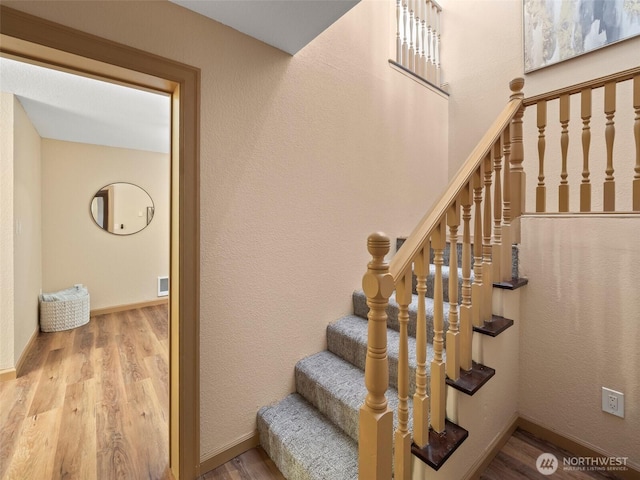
x,y
27,232
6,231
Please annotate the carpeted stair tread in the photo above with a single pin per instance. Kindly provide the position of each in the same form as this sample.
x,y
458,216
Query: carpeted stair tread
x,y
347,338
447,254
337,389
304,444
361,309
445,282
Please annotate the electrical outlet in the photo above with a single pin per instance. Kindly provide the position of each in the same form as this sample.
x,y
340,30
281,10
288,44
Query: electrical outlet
x,y
613,402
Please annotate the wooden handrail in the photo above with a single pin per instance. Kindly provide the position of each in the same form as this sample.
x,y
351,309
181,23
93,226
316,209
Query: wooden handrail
x,y
414,243
577,88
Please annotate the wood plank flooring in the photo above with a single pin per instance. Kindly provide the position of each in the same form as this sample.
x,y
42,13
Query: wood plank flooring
x,y
516,461
92,403
254,464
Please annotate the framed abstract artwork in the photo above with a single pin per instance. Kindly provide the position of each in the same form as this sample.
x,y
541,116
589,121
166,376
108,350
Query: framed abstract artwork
x,y
557,30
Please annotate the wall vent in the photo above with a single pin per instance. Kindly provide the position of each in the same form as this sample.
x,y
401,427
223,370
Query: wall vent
x,y
163,286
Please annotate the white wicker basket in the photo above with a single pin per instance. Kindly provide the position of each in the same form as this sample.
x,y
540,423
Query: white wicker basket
x,y
64,314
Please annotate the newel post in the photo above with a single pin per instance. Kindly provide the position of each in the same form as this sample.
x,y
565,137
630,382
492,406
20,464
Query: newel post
x,y
518,178
376,419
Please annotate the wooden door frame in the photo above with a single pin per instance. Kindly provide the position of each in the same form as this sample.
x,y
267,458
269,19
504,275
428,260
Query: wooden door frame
x,y
40,41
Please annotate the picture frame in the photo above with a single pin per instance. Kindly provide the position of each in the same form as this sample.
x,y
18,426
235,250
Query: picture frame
x,y
558,30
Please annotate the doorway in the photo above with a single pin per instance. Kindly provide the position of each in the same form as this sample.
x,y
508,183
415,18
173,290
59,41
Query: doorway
x,y
30,39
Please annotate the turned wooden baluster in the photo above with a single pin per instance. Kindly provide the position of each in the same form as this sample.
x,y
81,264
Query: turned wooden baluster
x,y
398,27
506,263
518,177
609,135
466,327
376,419
419,46
423,33
585,185
476,287
563,189
636,133
412,22
429,62
437,49
402,440
420,398
541,189
438,399
496,252
453,333
405,30
487,266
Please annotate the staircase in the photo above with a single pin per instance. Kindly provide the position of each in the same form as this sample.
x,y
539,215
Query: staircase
x,y
343,423
312,434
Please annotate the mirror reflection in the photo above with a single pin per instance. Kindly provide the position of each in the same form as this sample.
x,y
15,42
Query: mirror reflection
x,y
122,208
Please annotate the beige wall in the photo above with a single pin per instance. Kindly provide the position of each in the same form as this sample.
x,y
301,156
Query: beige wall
x,y
20,230
481,54
117,270
580,330
482,51
295,153
27,247
6,232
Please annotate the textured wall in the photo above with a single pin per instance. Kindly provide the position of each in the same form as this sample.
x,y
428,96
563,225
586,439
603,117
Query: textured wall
x,y
27,209
301,158
482,52
580,329
117,270
6,231
20,230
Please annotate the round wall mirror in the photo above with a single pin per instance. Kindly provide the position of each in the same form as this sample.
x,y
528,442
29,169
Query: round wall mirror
x,y
122,208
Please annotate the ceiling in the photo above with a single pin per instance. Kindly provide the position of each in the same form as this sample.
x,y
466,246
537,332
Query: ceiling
x,y
287,25
74,108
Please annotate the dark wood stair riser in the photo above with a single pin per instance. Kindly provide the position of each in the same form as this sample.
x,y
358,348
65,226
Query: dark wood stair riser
x,y
495,326
471,381
441,445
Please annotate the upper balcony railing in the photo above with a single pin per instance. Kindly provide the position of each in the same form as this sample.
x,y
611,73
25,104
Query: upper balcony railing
x,y
418,38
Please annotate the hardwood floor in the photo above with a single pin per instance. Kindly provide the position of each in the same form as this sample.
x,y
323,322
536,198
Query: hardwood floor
x,y
92,402
517,461
251,465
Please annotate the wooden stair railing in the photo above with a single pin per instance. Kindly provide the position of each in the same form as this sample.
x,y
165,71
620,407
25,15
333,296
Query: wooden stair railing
x,y
484,171
604,160
494,167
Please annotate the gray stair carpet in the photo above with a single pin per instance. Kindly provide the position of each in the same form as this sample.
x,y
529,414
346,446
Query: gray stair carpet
x,y
337,389
312,434
347,338
361,309
445,282
304,444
